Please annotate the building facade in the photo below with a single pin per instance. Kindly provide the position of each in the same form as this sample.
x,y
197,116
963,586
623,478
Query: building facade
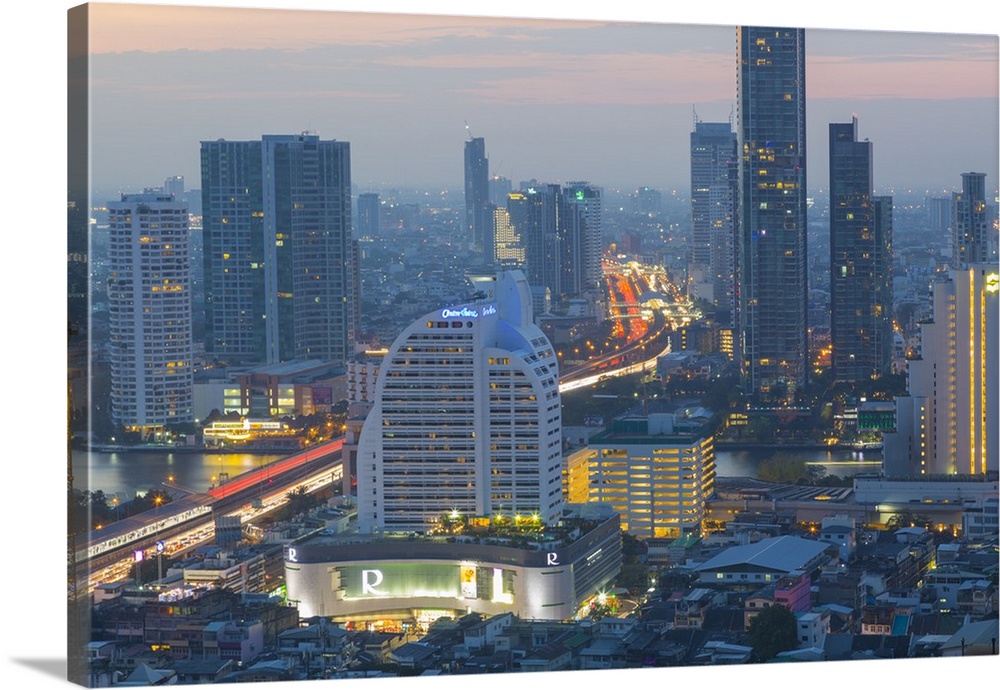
x,y
466,418
714,175
508,249
356,578
149,303
368,216
278,249
477,196
860,261
946,424
581,239
656,477
772,271
535,215
971,223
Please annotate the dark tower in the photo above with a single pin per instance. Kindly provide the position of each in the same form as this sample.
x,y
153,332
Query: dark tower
x,y
772,208
860,261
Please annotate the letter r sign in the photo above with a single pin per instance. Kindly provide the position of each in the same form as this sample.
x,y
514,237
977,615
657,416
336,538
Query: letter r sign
x,y
370,579
552,558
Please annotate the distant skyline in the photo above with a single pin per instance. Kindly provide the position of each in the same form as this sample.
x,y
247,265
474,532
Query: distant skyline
x,y
611,102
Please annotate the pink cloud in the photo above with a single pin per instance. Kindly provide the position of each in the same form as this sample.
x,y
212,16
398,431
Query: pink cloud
x,y
941,78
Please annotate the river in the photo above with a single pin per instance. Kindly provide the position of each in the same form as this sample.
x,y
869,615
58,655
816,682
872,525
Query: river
x,y
745,463
126,472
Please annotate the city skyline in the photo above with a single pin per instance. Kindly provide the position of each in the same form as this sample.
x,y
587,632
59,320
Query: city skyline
x,y
37,48
612,102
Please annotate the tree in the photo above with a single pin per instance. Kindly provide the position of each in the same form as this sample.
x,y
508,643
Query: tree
x,y
762,428
907,518
782,468
771,632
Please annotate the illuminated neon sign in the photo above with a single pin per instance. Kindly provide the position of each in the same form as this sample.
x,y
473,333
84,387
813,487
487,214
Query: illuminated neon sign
x,y
370,579
463,313
468,312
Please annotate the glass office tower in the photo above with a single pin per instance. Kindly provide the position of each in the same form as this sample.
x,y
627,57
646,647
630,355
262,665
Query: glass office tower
x,y
773,285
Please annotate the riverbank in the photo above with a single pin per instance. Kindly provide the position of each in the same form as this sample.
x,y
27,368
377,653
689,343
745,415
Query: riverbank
x,y
189,449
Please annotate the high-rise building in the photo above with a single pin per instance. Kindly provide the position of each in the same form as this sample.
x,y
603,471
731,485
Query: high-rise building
x,y
174,185
477,196
657,474
947,422
535,215
714,174
500,187
508,250
938,210
368,216
278,249
581,239
860,261
972,222
149,303
646,201
466,417
772,274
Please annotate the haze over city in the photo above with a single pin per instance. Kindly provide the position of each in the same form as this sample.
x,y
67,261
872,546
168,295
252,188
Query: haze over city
x,y
608,101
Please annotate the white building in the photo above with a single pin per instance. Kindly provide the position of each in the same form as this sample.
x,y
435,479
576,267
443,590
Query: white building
x,y
149,296
947,422
466,417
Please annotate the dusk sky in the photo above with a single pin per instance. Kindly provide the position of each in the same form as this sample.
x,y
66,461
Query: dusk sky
x,y
611,102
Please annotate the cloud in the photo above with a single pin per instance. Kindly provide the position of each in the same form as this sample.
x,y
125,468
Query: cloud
x,y
120,28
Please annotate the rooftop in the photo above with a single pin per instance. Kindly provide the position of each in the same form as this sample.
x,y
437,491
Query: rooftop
x,y
783,554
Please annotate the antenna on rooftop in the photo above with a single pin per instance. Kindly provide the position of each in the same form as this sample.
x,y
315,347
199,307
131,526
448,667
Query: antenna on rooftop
x,y
467,130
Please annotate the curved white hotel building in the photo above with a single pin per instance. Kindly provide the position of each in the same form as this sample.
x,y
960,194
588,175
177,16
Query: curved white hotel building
x,y
466,417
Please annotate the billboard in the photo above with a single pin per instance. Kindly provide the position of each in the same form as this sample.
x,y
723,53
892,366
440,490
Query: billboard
x,y
401,580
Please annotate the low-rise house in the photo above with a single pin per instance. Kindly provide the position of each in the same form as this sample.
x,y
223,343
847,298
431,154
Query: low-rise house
x,y
202,671
603,653
415,655
691,610
977,598
753,565
717,653
552,656
812,627
483,634
973,639
318,647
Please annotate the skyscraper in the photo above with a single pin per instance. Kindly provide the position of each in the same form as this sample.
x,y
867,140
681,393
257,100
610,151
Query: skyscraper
x,y
508,250
860,261
771,86
368,216
946,424
466,417
714,174
477,196
499,188
972,221
149,303
535,215
581,238
277,249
